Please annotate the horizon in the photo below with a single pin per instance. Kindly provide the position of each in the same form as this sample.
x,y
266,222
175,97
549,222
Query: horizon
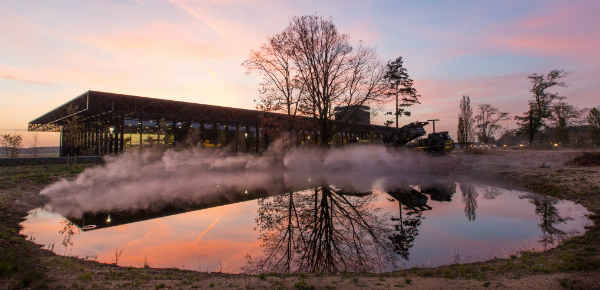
x,y
192,51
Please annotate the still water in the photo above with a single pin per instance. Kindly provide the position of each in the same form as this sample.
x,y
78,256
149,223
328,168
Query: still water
x,y
325,228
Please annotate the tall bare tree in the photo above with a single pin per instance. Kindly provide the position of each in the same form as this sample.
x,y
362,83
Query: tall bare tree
x,y
539,111
487,120
400,85
466,130
34,143
593,119
281,89
332,73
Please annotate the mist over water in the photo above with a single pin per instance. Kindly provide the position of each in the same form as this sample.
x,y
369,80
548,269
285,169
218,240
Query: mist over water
x,y
142,180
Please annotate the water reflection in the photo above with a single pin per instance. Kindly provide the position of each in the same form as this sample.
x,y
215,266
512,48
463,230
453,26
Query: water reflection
x,y
545,208
327,225
469,198
68,231
406,226
322,229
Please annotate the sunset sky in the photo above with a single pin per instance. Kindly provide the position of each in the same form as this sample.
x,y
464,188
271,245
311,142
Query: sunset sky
x,y
52,51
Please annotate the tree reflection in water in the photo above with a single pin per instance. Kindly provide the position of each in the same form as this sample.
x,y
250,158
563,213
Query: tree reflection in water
x,y
69,230
469,198
546,209
322,230
406,228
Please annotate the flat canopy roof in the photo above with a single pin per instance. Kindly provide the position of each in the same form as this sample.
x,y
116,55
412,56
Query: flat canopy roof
x,y
94,103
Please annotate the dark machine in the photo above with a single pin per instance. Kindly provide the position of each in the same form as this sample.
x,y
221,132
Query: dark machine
x,y
405,134
438,143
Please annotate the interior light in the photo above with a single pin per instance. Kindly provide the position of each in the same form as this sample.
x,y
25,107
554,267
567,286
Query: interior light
x,y
246,192
246,134
556,144
111,130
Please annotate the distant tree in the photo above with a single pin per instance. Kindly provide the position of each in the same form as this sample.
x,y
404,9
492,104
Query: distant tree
x,y
563,114
12,144
4,142
487,120
400,84
466,131
34,143
593,119
539,111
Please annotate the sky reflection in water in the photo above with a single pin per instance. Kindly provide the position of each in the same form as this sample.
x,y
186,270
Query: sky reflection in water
x,y
376,230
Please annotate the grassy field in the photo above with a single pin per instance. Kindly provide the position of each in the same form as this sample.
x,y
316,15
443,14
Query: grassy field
x,y
574,264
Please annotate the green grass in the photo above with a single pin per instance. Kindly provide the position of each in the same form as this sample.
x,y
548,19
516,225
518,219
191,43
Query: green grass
x,y
407,280
7,268
87,276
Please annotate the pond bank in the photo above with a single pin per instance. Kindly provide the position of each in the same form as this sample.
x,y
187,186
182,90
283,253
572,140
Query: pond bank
x,y
572,265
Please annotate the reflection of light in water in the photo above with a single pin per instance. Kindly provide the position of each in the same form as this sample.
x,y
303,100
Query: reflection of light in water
x,y
108,220
246,192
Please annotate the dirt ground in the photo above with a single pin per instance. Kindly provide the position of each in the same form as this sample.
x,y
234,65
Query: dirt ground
x,y
575,264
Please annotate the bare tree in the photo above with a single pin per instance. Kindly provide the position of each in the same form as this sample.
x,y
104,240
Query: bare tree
x,y
34,143
563,114
333,73
466,131
593,119
487,120
533,120
400,84
281,89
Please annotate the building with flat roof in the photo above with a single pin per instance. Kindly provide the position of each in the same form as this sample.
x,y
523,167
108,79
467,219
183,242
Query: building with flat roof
x,y
110,123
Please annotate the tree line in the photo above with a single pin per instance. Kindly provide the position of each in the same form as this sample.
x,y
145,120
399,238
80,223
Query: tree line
x,y
547,112
12,144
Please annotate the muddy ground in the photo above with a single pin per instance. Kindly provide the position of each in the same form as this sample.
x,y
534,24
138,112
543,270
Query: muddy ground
x,y
574,264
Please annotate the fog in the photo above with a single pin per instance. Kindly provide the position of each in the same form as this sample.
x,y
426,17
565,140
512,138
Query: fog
x,y
142,179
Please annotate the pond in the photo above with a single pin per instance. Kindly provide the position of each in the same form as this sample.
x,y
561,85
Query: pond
x,y
325,224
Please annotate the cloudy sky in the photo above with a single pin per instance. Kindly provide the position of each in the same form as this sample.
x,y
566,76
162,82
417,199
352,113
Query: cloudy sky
x,y
52,51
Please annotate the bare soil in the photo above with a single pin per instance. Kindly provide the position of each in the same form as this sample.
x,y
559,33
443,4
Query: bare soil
x,y
574,264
